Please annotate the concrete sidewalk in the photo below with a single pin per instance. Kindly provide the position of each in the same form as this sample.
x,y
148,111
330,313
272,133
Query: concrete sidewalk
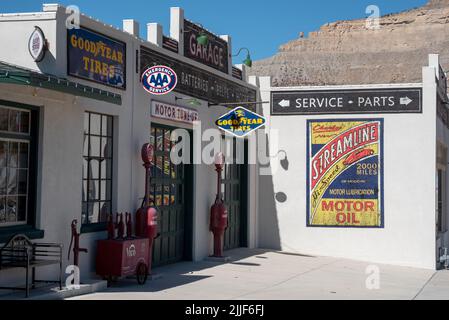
x,y
269,275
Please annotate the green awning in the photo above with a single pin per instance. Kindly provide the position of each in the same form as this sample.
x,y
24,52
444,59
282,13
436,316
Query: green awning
x,y
23,76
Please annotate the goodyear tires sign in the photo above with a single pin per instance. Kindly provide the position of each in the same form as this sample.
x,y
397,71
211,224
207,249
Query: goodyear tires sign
x,y
345,173
97,58
240,122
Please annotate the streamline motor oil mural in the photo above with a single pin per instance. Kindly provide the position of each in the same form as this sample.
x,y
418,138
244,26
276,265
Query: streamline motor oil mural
x,y
345,173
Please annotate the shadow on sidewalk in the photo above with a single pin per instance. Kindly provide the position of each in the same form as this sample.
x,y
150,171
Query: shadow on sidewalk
x,y
183,273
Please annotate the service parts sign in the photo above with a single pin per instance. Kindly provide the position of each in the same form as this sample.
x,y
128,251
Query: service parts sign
x,y
345,173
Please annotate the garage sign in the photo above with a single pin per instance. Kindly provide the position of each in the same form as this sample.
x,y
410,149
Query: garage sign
x,y
345,173
240,122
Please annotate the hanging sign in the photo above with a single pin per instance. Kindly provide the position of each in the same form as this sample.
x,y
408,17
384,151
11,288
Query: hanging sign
x,y
240,122
37,44
173,113
159,80
345,173
97,58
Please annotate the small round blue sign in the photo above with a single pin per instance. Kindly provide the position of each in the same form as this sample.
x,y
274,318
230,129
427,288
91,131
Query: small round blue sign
x,y
159,80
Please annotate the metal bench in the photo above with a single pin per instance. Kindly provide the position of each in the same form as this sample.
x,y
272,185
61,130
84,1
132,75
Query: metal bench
x,y
20,252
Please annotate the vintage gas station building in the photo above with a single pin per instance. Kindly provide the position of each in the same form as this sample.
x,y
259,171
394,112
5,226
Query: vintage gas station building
x,y
357,172
81,116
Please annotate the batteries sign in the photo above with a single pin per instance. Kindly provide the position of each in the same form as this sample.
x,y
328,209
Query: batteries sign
x,y
240,122
345,173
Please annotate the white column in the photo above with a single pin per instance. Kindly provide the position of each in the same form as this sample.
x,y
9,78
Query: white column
x,y
253,185
228,39
50,7
155,33
131,26
430,116
177,27
434,61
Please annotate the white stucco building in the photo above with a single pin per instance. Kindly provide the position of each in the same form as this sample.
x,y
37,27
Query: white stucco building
x,y
90,117
72,125
410,193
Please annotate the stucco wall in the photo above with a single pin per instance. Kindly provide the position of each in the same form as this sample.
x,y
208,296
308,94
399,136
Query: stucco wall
x,y
408,238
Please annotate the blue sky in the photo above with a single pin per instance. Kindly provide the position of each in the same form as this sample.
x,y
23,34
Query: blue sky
x,y
259,25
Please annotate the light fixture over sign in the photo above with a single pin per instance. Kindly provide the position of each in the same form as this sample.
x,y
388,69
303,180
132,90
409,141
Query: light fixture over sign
x,y
37,44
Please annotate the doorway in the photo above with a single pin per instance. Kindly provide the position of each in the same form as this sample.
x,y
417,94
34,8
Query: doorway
x,y
171,190
235,190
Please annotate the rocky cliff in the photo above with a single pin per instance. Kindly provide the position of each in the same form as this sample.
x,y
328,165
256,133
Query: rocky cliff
x,y
347,52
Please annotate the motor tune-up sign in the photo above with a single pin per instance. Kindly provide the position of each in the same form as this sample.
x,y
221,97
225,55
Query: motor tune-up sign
x,y
345,173
173,113
240,122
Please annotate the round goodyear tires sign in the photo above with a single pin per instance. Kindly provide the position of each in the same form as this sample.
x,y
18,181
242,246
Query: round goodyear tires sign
x,y
159,80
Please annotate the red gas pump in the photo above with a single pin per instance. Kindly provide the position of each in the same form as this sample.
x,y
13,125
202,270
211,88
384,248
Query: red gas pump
x,y
219,213
146,217
111,227
120,225
75,241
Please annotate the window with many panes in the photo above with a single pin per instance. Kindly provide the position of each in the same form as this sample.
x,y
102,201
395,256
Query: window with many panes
x,y
15,141
97,168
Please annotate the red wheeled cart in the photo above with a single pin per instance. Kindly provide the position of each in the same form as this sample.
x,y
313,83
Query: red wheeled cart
x,y
128,256
123,258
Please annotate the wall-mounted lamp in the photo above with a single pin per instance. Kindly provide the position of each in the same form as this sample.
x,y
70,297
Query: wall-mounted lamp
x,y
190,101
285,164
281,197
203,38
247,62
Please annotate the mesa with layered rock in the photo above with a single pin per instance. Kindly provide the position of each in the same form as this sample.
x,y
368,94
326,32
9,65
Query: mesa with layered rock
x,y
347,52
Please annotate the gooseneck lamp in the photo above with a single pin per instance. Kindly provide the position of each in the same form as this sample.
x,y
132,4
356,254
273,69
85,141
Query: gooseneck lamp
x,y
248,61
203,38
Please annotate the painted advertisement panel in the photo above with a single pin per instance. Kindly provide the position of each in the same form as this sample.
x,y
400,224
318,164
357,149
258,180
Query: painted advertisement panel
x,y
97,58
345,173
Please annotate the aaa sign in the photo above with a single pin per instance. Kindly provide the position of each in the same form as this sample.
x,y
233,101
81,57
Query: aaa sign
x,y
345,173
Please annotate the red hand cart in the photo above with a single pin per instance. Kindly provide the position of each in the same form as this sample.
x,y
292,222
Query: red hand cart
x,y
123,258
